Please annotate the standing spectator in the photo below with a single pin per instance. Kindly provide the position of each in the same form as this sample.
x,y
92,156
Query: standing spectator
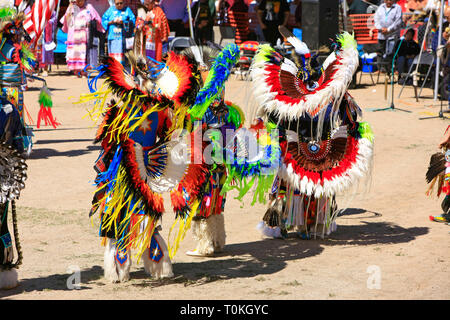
x,y
48,45
156,30
222,8
253,19
388,21
238,19
357,7
101,6
177,16
298,14
408,49
203,22
271,14
118,22
76,23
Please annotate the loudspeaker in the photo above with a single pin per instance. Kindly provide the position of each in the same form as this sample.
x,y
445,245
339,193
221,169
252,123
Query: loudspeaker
x,y
320,22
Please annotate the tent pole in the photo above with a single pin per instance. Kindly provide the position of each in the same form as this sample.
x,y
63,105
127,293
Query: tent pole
x,y
190,18
438,61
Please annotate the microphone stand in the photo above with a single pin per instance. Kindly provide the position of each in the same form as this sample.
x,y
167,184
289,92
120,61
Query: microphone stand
x,y
392,106
440,114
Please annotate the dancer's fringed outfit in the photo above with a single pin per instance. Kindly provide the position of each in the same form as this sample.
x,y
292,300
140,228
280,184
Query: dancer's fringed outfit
x,y
136,164
438,176
14,56
211,118
324,149
144,154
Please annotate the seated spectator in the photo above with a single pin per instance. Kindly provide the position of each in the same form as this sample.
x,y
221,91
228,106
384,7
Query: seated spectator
x,y
357,7
408,49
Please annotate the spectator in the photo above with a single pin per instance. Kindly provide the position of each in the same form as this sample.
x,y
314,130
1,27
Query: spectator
x,y
119,22
76,23
271,14
177,16
298,14
48,45
388,21
156,30
203,22
238,15
357,7
222,8
101,6
408,49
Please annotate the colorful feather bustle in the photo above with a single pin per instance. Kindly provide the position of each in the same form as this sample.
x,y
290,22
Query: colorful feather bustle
x,y
133,104
355,164
187,79
127,198
22,56
269,67
243,173
436,174
45,112
215,81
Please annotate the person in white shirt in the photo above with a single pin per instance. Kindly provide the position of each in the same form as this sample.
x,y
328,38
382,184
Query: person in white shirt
x,y
388,22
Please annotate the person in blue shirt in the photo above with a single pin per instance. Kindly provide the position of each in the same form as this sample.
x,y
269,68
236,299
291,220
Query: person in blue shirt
x,y
119,22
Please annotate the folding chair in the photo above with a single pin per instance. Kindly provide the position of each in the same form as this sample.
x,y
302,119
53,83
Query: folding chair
x,y
227,33
180,43
427,61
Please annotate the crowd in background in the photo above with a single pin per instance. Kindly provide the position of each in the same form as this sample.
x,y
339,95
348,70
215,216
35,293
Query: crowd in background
x,y
95,28
98,27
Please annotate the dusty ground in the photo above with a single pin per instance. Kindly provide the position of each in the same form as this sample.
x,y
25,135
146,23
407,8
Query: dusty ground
x,y
386,230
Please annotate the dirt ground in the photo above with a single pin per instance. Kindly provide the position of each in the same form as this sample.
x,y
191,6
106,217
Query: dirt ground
x,y
384,235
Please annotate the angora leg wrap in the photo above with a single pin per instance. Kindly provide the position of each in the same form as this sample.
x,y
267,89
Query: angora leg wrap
x,y
8,279
219,232
161,269
114,271
209,234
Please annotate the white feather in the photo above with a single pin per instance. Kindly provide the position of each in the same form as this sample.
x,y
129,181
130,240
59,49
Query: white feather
x,y
300,46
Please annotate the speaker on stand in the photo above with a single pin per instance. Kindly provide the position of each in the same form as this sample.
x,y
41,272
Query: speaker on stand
x,y
320,22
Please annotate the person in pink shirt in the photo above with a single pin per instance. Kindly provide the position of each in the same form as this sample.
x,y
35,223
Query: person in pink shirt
x,y
76,22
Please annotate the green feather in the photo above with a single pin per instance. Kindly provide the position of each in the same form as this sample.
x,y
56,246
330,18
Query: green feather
x,y
366,131
346,40
234,116
45,98
7,13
